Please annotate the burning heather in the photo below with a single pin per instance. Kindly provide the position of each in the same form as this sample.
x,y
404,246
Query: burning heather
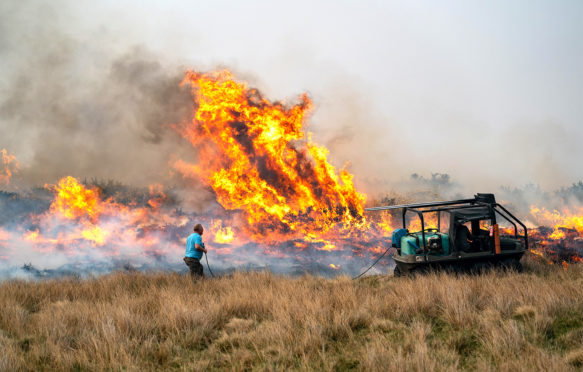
x,y
9,164
561,222
258,160
559,237
283,206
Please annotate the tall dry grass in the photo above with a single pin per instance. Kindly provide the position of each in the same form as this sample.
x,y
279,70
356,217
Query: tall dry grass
x,y
495,321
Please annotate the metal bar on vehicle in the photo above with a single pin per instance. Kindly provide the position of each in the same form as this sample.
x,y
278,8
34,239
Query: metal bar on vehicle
x,y
420,214
517,220
446,209
509,220
420,205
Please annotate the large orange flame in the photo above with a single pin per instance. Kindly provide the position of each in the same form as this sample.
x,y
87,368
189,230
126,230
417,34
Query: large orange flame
x,y
73,200
79,217
257,158
559,221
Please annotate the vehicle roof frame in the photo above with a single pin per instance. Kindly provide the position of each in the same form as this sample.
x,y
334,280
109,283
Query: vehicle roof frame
x,y
452,205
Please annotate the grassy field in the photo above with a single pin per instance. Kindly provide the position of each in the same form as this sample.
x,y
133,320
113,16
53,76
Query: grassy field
x,y
495,321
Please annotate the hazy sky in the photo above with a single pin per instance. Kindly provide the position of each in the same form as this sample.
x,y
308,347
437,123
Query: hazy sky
x,y
490,92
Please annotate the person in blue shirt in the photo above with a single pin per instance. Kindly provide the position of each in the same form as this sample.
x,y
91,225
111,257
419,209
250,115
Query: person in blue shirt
x,y
194,250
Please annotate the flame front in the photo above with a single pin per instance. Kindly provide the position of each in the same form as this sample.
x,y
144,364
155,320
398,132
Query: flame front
x,y
257,158
79,222
73,200
559,221
559,235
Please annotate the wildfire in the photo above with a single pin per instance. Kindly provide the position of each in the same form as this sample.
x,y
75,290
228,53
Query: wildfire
x,y
559,221
9,165
256,157
79,220
558,237
223,235
429,222
73,200
277,189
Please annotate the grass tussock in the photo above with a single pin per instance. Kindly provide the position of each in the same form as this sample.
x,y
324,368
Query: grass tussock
x,y
494,321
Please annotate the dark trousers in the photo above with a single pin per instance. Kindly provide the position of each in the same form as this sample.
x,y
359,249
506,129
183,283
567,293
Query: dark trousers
x,y
195,267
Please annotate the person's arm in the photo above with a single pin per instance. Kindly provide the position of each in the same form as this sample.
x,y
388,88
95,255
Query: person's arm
x,y
471,237
199,247
465,234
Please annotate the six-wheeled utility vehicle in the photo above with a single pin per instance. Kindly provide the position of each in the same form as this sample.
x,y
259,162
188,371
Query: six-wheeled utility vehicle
x,y
464,235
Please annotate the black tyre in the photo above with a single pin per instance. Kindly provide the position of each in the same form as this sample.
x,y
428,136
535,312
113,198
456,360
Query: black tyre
x,y
397,272
512,264
479,268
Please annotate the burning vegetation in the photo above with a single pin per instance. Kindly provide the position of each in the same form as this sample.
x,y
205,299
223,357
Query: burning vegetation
x,y
278,195
257,158
9,165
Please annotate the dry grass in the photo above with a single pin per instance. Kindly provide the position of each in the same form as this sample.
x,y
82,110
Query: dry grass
x,y
496,321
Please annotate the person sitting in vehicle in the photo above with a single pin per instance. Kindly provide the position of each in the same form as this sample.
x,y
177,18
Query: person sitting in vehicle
x,y
464,238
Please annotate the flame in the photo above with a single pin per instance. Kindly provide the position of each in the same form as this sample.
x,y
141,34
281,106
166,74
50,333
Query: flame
x,y
223,235
79,221
558,237
9,166
566,219
157,196
258,160
73,200
385,222
429,222
32,235
95,234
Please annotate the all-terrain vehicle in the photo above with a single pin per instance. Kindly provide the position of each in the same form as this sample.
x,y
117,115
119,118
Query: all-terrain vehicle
x,y
463,235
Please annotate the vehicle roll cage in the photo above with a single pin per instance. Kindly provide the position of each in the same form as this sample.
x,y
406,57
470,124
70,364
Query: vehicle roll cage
x,y
480,200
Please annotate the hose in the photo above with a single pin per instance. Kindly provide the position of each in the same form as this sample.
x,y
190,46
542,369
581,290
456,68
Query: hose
x,y
208,266
374,263
356,277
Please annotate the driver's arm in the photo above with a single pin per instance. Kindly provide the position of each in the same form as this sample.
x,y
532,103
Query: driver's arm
x,y
468,235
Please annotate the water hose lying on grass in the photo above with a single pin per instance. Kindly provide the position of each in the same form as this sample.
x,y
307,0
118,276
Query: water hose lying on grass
x,y
356,277
374,263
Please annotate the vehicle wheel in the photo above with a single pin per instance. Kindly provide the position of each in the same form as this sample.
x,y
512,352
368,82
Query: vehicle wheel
x,y
418,270
479,268
397,272
512,264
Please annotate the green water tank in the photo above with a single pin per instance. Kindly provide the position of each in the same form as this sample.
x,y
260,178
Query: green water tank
x,y
410,243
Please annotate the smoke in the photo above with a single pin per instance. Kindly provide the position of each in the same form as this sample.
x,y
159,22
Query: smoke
x,y
93,99
97,101
71,106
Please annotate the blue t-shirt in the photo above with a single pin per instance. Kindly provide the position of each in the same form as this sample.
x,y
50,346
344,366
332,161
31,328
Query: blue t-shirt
x,y
191,250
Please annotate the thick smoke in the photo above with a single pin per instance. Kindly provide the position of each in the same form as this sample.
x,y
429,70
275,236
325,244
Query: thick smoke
x,y
72,106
